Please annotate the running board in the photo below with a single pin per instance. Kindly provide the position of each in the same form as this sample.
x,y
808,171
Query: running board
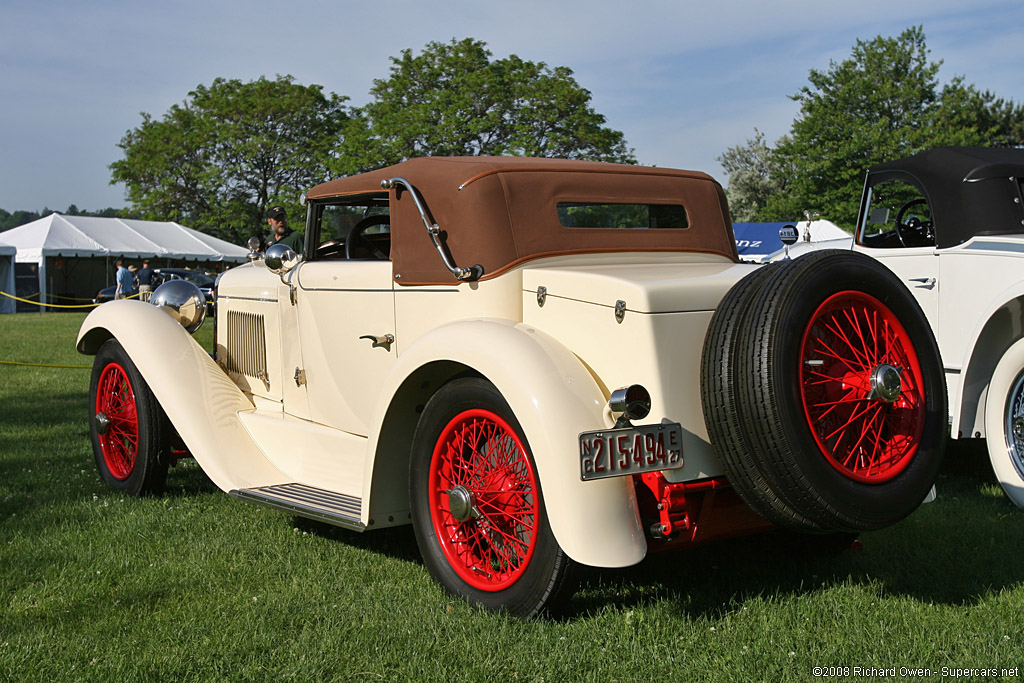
x,y
307,501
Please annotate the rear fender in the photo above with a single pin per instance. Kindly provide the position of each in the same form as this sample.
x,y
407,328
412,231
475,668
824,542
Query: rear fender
x,y
200,400
554,397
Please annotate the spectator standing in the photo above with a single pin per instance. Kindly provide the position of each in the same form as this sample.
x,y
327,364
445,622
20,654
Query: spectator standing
x,y
124,279
144,278
280,232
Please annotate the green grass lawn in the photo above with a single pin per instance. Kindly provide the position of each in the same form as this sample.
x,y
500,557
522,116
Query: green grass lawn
x,y
198,586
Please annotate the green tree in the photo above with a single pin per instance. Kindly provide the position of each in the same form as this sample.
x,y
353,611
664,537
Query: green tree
x,y
755,176
882,103
231,149
453,99
1003,118
10,220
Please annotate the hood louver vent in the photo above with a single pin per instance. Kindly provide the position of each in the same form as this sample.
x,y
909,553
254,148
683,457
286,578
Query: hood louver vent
x,y
247,346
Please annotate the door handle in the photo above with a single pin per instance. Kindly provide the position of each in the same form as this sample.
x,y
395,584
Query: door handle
x,y
923,281
380,340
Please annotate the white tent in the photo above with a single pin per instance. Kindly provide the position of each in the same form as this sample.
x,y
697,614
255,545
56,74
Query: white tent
x,y
58,238
7,277
67,236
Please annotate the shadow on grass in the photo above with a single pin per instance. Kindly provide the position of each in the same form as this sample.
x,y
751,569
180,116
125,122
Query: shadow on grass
x,y
954,551
187,479
397,542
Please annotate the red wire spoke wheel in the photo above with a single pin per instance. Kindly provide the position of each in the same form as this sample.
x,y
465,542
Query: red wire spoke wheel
x,y
119,438
130,432
483,500
477,507
862,388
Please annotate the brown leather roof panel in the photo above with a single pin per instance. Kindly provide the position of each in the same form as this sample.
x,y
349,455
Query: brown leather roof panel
x,y
502,211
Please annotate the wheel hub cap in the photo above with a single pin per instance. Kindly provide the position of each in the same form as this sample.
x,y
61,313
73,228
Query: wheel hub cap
x,y
102,423
886,383
460,502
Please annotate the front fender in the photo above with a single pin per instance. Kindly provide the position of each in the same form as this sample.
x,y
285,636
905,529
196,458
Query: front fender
x,y
200,400
554,397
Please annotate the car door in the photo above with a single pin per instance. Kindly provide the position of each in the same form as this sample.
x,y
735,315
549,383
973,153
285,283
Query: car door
x,y
346,310
918,269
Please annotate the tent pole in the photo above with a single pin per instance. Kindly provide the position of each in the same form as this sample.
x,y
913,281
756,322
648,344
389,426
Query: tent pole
x,y
42,282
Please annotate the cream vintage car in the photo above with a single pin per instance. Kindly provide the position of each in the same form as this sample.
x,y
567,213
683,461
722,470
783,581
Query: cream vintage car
x,y
539,364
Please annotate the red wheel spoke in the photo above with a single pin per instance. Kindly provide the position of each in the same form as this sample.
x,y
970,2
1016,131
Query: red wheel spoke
x,y
853,418
510,537
839,402
499,513
858,356
833,354
865,429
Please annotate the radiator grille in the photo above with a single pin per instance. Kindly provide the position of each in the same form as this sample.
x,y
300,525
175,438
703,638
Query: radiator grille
x,y
247,345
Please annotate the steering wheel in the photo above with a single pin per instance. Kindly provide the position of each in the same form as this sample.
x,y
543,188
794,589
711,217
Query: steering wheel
x,y
331,249
919,232
356,237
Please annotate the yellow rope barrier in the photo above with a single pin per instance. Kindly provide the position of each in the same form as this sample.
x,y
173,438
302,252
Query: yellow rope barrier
x,y
45,365
40,303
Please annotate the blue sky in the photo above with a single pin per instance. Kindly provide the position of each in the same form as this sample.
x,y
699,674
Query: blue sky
x,y
683,80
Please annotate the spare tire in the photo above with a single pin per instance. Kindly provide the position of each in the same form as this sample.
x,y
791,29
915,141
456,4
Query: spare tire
x,y
840,396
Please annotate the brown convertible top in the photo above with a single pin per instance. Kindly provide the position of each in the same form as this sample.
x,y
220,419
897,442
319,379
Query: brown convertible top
x,y
499,212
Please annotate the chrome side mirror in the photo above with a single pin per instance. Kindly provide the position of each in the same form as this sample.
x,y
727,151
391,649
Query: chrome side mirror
x,y
280,259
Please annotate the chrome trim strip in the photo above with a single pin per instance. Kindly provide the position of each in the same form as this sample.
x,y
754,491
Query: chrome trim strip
x,y
227,297
307,501
410,289
340,289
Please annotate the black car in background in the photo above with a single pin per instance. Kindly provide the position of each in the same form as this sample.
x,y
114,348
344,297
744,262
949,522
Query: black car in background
x,y
162,275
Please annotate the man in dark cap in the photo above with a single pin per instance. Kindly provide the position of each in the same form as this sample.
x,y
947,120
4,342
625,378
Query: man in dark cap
x,y
280,232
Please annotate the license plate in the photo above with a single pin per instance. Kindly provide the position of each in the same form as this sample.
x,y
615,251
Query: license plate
x,y
630,450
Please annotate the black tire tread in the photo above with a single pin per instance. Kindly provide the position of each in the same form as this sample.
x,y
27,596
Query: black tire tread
x,y
723,415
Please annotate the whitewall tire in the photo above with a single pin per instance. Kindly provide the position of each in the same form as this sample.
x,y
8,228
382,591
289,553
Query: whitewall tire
x,y
1004,422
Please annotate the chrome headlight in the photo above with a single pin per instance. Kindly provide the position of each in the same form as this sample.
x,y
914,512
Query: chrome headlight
x,y
183,301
